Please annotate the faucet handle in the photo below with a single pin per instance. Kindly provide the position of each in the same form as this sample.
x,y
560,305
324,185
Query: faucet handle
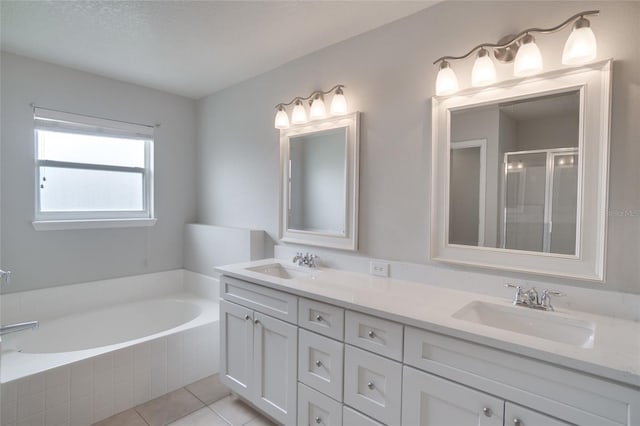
x,y
545,301
6,276
517,297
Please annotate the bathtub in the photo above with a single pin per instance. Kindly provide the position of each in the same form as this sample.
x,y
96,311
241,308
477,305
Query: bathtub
x,y
106,354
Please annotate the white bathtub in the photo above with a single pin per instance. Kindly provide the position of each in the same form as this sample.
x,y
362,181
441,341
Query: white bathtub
x,y
80,368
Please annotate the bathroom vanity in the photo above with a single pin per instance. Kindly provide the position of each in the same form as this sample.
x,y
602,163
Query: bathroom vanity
x,y
326,347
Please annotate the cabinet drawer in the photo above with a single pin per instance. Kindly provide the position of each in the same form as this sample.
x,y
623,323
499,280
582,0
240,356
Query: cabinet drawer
x,y
320,362
322,318
559,392
372,384
316,409
272,302
374,334
353,418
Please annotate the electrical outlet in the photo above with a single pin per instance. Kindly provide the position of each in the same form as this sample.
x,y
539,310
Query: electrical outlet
x,y
380,269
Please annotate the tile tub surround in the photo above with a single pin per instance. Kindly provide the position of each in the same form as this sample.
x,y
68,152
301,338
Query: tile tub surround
x,y
86,386
614,356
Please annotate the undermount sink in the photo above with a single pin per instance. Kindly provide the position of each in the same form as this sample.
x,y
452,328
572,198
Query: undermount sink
x,y
545,325
278,270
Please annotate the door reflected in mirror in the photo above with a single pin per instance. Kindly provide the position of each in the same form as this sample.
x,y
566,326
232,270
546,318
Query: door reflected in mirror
x,y
317,181
513,174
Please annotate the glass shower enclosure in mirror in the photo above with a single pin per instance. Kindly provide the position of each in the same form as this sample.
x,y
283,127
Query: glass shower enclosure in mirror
x,y
520,174
527,150
319,183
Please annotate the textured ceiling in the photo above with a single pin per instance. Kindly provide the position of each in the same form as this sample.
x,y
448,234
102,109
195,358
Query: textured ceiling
x,y
191,48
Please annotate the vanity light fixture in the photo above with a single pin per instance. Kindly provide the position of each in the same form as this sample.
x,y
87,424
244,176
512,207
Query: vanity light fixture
x,y
317,108
579,48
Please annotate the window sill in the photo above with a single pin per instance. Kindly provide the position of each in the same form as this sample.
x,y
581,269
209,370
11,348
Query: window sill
x,y
61,225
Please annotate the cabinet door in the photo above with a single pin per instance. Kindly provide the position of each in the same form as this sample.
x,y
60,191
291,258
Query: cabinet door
x,y
316,409
275,362
516,415
428,400
236,347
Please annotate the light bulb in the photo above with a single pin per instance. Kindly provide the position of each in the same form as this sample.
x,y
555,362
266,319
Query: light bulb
x,y
446,81
299,114
282,119
338,103
528,59
581,46
484,72
317,109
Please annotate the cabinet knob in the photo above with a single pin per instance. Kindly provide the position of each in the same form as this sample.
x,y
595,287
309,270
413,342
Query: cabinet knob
x,y
255,321
318,363
318,420
487,411
370,385
371,334
517,422
318,317
247,317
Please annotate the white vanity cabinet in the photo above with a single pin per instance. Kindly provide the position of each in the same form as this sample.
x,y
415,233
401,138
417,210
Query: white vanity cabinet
x,y
535,393
429,400
307,362
259,352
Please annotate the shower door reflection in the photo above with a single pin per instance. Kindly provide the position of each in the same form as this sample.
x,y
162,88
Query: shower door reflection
x,y
540,201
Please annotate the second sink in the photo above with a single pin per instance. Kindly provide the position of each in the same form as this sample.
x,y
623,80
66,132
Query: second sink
x,y
545,325
278,270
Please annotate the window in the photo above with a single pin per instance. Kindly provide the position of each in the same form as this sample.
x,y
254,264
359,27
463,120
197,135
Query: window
x,y
95,172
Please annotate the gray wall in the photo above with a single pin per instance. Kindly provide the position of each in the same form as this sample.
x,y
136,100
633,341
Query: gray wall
x,y
389,76
47,258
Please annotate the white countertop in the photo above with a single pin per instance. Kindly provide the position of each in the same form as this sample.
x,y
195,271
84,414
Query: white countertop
x,y
615,354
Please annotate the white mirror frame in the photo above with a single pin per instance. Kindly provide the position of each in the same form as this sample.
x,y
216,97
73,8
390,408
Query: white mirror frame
x,y
348,240
594,83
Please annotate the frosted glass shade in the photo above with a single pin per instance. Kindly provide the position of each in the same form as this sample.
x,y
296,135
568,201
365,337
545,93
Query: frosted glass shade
x,y
299,114
282,119
581,47
446,81
318,109
484,71
338,103
528,59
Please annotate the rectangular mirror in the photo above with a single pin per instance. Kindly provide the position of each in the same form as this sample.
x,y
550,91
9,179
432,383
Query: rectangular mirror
x,y
319,183
521,172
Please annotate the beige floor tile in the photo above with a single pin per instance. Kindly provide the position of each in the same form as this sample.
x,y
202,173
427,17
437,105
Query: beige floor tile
x,y
203,417
170,407
234,411
209,389
260,421
126,418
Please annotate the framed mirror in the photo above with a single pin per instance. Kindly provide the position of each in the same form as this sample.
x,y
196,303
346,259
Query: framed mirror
x,y
520,174
319,183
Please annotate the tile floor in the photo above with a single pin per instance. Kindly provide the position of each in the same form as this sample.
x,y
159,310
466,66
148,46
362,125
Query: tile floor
x,y
203,403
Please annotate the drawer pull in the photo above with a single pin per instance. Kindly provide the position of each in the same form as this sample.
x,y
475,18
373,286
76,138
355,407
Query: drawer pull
x,y
247,317
487,411
318,318
517,422
371,334
370,385
318,363
318,420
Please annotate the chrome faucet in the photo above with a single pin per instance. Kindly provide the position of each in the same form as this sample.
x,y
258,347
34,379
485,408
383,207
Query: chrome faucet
x,y
12,328
531,299
307,259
